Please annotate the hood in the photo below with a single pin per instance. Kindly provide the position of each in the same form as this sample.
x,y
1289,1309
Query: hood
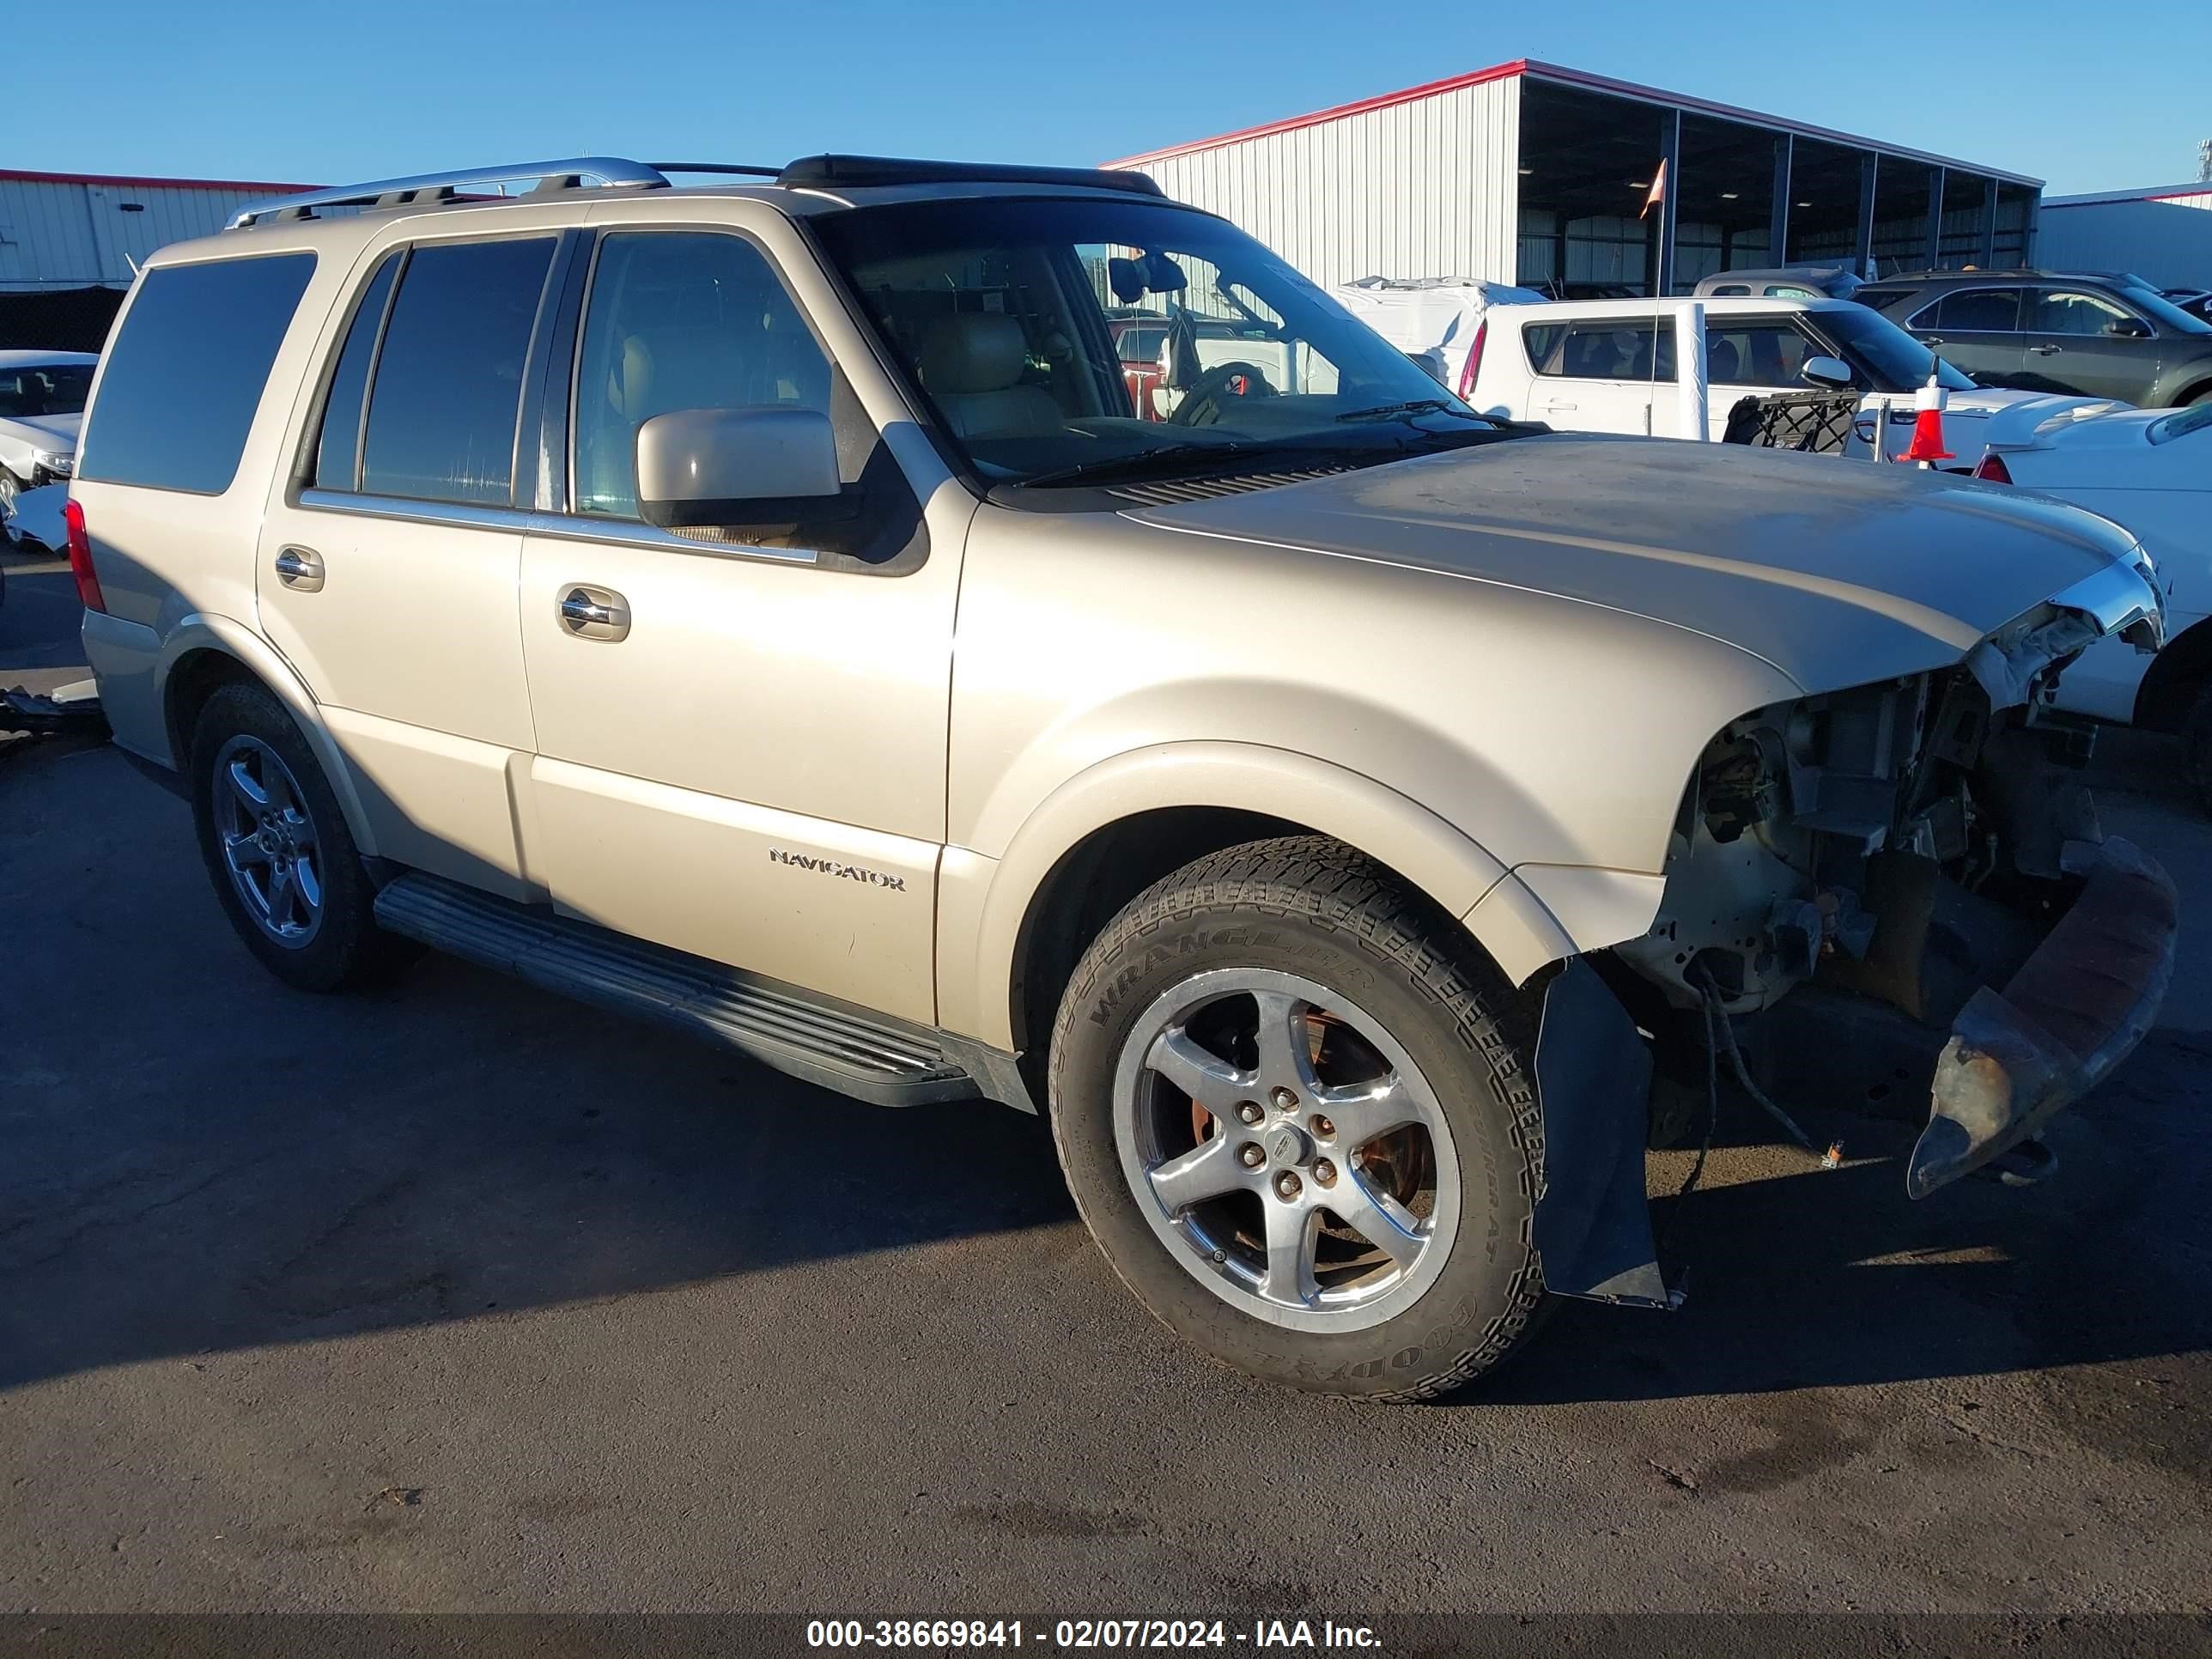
x,y
1838,572
56,431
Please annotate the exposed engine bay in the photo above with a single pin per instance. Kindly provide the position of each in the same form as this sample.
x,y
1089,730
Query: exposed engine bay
x,y
1900,889
1812,827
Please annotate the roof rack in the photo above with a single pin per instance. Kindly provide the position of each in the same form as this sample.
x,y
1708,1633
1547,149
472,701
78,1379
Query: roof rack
x,y
862,172
612,173
577,172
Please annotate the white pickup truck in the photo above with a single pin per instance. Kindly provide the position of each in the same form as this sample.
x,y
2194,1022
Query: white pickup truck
x,y
1608,365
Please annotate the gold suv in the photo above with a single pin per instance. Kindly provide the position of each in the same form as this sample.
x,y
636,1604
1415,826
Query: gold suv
x,y
772,605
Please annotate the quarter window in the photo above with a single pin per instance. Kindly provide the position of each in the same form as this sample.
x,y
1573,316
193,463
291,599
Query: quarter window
x,y
185,375
448,392
681,320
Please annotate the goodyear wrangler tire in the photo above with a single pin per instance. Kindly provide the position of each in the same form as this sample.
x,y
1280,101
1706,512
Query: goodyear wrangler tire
x,y
1294,1104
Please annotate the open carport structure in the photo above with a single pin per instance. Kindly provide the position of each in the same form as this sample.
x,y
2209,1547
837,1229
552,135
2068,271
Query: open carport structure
x,y
1530,173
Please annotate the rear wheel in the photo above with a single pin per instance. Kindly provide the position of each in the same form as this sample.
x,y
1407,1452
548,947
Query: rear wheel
x,y
1293,1103
277,847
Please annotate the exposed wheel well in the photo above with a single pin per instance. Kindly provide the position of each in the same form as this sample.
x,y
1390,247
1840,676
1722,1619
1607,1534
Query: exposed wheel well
x,y
1090,883
197,676
2170,686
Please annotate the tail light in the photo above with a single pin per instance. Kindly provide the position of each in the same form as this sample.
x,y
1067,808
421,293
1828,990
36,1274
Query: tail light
x,y
80,557
1474,360
1993,470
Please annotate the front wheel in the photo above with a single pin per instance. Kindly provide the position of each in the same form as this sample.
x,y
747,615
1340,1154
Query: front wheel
x,y
1294,1105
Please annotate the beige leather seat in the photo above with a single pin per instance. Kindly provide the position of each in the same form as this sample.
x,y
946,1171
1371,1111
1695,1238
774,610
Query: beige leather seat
x,y
971,365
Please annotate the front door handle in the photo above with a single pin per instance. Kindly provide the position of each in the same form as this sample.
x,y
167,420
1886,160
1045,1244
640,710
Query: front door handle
x,y
300,568
594,613
2045,350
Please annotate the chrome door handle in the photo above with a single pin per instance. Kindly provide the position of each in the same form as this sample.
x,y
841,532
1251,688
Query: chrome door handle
x,y
594,613
300,568
2044,350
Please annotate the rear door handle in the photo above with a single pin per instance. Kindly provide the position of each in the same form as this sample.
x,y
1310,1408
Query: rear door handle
x,y
1561,409
594,613
300,568
2045,350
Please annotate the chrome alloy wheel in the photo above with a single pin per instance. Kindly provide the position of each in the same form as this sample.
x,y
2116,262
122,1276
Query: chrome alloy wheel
x,y
268,841
1286,1150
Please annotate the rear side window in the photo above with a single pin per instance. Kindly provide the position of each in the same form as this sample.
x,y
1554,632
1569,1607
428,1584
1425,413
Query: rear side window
x,y
1607,349
1974,311
185,375
338,452
448,395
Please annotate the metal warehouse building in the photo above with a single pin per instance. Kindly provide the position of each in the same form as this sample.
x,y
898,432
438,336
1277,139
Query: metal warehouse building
x,y
69,245
1534,173
2164,234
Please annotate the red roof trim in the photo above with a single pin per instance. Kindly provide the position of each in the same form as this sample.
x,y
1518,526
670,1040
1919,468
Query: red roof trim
x,y
1383,100
136,183
1530,66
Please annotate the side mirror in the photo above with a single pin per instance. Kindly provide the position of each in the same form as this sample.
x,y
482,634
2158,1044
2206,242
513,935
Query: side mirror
x,y
1431,363
1831,372
732,467
2126,328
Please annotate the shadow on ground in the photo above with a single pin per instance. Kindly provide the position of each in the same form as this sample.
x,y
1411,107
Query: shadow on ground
x,y
199,1159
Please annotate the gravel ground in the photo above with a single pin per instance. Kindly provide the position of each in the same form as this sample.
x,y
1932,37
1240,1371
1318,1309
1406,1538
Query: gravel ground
x,y
461,1297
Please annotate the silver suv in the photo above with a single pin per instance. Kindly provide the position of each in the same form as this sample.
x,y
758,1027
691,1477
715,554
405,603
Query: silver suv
x,y
769,606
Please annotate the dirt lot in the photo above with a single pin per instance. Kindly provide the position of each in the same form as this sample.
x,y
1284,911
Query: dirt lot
x,y
464,1297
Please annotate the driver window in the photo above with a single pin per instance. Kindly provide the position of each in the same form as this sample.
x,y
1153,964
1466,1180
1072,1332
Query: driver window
x,y
2075,313
681,320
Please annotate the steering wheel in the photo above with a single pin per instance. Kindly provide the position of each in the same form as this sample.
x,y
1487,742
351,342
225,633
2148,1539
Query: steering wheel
x,y
1236,379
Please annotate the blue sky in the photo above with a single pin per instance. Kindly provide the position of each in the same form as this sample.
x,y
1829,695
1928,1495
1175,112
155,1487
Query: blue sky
x,y
2087,99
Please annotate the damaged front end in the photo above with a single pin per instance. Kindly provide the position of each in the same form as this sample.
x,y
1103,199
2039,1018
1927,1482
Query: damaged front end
x,y
1870,893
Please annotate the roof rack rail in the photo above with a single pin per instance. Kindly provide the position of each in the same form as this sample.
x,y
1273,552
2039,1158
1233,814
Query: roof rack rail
x,y
601,172
861,171
732,167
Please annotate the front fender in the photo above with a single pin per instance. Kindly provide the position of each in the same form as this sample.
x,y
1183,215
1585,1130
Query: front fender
x,y
985,900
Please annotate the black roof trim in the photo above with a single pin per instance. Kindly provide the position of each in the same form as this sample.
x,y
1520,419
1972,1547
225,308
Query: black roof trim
x,y
864,171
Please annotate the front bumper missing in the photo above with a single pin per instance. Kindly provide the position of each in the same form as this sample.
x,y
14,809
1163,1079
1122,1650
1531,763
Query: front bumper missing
x,y
2077,1008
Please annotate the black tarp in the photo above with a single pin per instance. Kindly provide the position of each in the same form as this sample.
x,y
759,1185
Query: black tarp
x,y
58,319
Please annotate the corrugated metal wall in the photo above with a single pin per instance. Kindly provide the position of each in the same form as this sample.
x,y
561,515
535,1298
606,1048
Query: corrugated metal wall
x,y
1423,188
2168,240
76,234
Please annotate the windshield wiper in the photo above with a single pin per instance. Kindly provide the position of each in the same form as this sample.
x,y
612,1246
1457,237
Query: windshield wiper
x,y
1419,406
1170,456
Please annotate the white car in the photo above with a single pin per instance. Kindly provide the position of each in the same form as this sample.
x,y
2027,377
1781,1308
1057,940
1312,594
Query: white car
x,y
1589,365
1439,315
2150,471
42,397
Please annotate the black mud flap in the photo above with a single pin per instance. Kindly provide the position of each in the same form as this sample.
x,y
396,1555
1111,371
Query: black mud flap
x,y
1593,1230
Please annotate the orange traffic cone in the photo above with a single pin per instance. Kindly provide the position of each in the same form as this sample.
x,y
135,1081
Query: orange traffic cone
x,y
1927,445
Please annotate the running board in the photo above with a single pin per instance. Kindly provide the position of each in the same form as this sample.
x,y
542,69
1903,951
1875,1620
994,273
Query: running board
x,y
871,1056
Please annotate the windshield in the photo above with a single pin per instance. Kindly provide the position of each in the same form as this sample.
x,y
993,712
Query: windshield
x,y
45,389
1897,361
2170,317
1066,340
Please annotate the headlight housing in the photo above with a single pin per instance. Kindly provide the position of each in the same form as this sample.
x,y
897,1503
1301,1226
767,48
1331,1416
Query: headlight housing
x,y
61,463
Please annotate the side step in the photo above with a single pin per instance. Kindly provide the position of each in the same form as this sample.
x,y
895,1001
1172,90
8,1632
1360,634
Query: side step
x,y
871,1056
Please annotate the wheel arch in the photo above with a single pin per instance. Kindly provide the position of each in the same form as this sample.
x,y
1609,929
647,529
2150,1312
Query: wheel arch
x,y
2170,683
204,653
1010,929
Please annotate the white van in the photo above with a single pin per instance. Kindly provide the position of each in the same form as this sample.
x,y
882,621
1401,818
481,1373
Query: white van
x,y
1608,365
